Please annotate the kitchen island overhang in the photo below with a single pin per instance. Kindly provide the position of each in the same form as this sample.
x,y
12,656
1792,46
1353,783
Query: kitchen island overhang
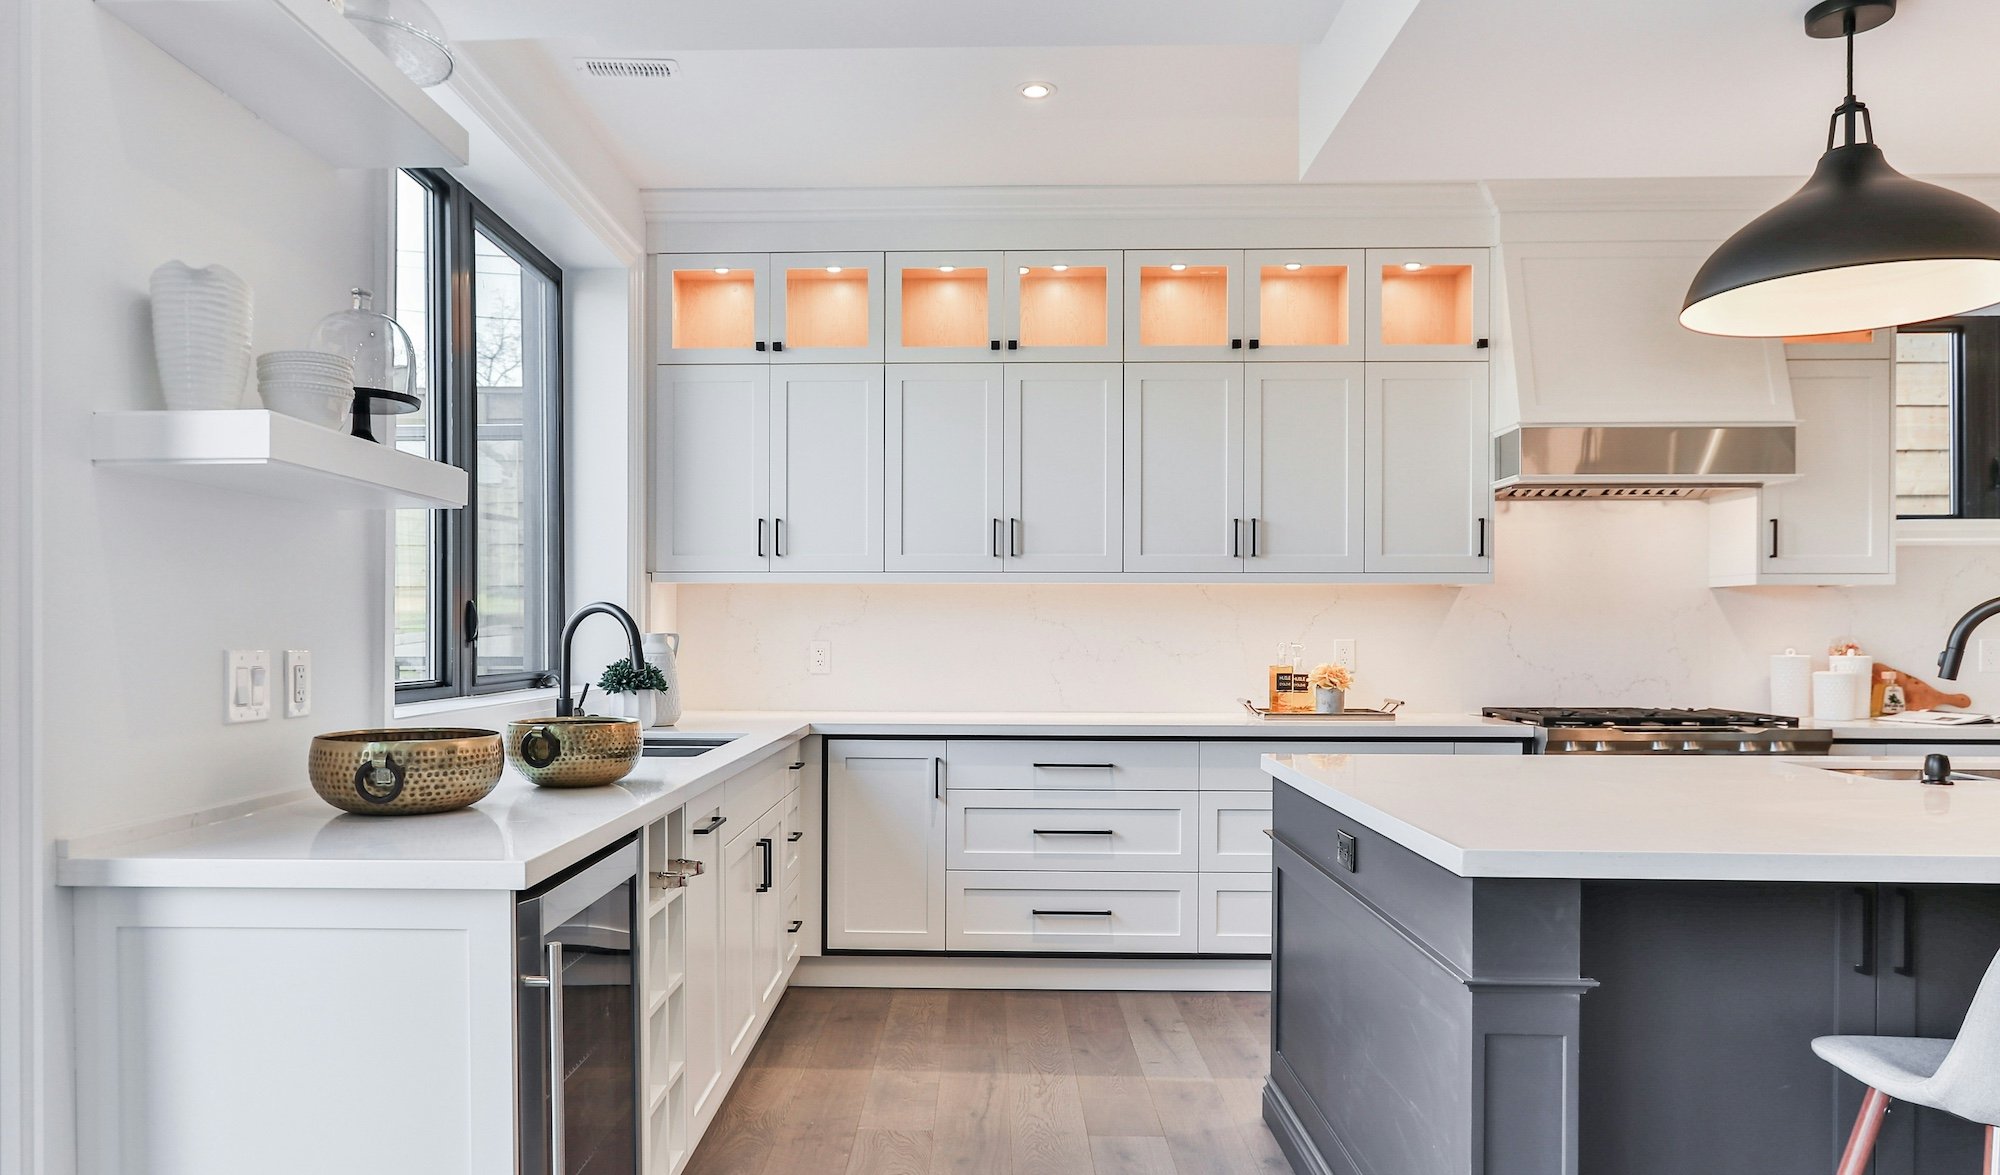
x,y
1612,966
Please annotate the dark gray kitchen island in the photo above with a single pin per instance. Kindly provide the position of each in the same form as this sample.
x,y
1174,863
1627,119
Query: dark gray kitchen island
x,y
1560,965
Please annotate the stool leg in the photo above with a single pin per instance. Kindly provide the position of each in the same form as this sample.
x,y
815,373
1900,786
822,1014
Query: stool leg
x,y
1861,1141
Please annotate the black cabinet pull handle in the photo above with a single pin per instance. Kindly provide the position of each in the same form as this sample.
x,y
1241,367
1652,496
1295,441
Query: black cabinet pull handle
x,y
778,537
1236,344
471,623
1253,538
1906,932
937,777
799,766
714,822
795,838
1482,538
760,346
764,843
1774,538
777,346
1075,766
1071,913
760,538
794,927
1235,538
1866,964
1014,537
1253,344
1075,832
995,344
1013,344
995,536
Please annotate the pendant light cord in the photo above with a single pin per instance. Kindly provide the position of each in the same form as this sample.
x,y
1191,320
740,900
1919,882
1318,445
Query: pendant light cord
x,y
1852,109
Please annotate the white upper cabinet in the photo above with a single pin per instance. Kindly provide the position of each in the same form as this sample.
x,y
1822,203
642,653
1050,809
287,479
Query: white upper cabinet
x,y
1063,307
826,307
826,468
1064,490
1428,469
1302,467
1834,524
1184,305
1184,467
1427,304
711,468
712,307
944,307
1595,338
1303,304
944,499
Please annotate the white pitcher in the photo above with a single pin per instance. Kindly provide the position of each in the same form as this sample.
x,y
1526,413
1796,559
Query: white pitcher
x,y
662,648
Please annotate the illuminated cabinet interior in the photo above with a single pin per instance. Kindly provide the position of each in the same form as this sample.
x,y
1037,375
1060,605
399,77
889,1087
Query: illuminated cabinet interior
x,y
945,307
826,307
1427,304
1302,305
1064,306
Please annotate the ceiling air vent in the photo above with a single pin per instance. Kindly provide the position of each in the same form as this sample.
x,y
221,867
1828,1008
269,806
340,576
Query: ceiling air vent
x,y
640,69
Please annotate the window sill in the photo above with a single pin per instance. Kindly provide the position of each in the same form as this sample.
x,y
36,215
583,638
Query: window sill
x,y
527,701
1947,532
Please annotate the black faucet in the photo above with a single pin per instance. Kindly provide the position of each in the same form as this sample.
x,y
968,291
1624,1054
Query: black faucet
x,y
1954,645
564,707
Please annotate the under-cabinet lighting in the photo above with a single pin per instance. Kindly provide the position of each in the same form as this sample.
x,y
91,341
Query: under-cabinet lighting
x,y
1412,266
1176,267
1036,90
1292,265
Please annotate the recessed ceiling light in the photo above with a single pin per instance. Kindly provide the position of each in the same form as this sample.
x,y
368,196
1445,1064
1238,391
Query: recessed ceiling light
x,y
723,269
947,269
1291,265
1060,268
833,269
1176,267
1037,89
1412,266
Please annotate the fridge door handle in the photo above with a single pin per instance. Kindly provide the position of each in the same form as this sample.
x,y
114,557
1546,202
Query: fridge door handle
x,y
552,981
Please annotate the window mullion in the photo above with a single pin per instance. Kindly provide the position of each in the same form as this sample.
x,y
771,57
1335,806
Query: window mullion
x,y
464,432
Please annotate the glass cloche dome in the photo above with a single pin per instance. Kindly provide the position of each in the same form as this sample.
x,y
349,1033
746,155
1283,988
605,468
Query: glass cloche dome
x,y
385,373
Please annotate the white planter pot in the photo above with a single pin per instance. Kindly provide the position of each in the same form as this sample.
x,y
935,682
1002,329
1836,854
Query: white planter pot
x,y
201,335
650,706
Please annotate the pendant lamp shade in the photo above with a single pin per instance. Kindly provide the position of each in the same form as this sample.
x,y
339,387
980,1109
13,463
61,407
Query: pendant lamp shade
x,y
1859,247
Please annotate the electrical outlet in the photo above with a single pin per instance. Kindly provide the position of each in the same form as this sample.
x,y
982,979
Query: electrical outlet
x,y
246,686
1343,652
298,683
819,657
1344,850
1989,654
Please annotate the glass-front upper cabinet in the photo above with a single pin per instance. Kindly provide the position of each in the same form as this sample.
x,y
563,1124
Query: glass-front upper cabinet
x,y
826,307
712,307
1063,307
1184,305
1427,304
1303,304
944,307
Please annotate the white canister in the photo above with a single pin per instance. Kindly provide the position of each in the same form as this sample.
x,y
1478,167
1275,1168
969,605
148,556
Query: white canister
x,y
662,651
1791,684
201,335
1862,668
1833,696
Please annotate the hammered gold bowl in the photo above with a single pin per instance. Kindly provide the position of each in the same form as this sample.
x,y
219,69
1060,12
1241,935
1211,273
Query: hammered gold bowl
x,y
404,771
583,751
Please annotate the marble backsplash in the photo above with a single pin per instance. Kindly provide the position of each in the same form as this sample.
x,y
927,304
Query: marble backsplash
x,y
1593,603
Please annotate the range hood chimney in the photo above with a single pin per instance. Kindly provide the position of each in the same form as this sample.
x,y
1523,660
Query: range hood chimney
x,y
1601,393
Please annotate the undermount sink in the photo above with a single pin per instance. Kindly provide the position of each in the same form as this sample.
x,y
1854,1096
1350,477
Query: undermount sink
x,y
1907,774
684,746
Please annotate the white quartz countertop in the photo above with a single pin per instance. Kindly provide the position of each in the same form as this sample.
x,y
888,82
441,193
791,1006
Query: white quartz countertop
x,y
522,834
1874,730
1726,818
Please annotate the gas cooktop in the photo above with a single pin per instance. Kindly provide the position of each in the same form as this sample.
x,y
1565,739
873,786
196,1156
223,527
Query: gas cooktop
x,y
1620,730
1634,718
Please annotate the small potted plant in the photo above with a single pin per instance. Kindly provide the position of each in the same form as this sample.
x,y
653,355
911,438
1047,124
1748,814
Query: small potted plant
x,y
1330,685
637,689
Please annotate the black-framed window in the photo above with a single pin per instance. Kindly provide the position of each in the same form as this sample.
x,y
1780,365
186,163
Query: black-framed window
x,y
478,595
1948,419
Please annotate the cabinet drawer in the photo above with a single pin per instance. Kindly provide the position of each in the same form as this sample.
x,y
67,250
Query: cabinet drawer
x,y
1071,830
1232,832
1017,911
1235,914
1085,766
1233,766
747,796
791,849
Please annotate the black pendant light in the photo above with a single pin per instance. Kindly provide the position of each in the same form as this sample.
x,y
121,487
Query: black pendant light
x,y
1861,245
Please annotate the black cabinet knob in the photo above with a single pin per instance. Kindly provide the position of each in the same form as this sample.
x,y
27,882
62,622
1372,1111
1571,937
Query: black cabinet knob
x,y
1236,344
777,346
760,346
996,344
1253,344
1013,344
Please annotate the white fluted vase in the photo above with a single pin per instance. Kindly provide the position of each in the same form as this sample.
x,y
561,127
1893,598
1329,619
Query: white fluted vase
x,y
201,335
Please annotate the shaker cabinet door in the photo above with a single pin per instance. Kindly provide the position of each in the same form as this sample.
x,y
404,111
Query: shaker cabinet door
x,y
710,468
1303,458
885,813
945,507
1064,453
826,468
1184,467
1429,468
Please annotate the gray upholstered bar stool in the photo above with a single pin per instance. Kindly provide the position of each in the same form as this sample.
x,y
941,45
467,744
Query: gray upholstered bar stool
x,y
1960,1076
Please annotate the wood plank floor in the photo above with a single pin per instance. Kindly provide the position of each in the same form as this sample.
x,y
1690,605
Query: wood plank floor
x,y
877,1082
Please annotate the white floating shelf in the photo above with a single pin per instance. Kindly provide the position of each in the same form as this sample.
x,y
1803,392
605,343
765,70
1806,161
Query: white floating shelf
x,y
255,451
300,66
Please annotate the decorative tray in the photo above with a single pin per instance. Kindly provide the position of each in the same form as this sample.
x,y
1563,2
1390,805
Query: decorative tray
x,y
1386,714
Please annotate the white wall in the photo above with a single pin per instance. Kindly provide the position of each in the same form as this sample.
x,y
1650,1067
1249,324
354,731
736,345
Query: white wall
x,y
145,581
1592,604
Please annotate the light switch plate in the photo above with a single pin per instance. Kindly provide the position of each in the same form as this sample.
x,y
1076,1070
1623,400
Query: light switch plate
x,y
246,686
297,685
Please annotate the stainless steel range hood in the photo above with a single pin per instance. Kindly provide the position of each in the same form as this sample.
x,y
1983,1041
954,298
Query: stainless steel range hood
x,y
1601,393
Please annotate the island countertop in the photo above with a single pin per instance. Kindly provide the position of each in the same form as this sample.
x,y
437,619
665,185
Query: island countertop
x,y
1665,818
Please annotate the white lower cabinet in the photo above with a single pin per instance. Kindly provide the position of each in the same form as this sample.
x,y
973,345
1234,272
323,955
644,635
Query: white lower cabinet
x,y
1235,914
1232,832
1071,830
1027,910
885,816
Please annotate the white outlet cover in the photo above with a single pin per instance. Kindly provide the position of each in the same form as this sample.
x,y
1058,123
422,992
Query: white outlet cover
x,y
297,683
1343,652
246,686
819,657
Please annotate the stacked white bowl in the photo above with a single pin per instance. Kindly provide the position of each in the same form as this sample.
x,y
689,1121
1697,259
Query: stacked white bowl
x,y
311,385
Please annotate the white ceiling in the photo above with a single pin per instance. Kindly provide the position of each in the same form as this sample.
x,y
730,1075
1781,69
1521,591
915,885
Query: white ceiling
x,y
885,93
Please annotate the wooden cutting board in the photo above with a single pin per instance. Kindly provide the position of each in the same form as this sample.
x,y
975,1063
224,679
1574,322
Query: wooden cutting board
x,y
1922,695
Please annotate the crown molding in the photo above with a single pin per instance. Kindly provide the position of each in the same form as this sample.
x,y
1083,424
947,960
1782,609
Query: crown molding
x,y
1273,201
